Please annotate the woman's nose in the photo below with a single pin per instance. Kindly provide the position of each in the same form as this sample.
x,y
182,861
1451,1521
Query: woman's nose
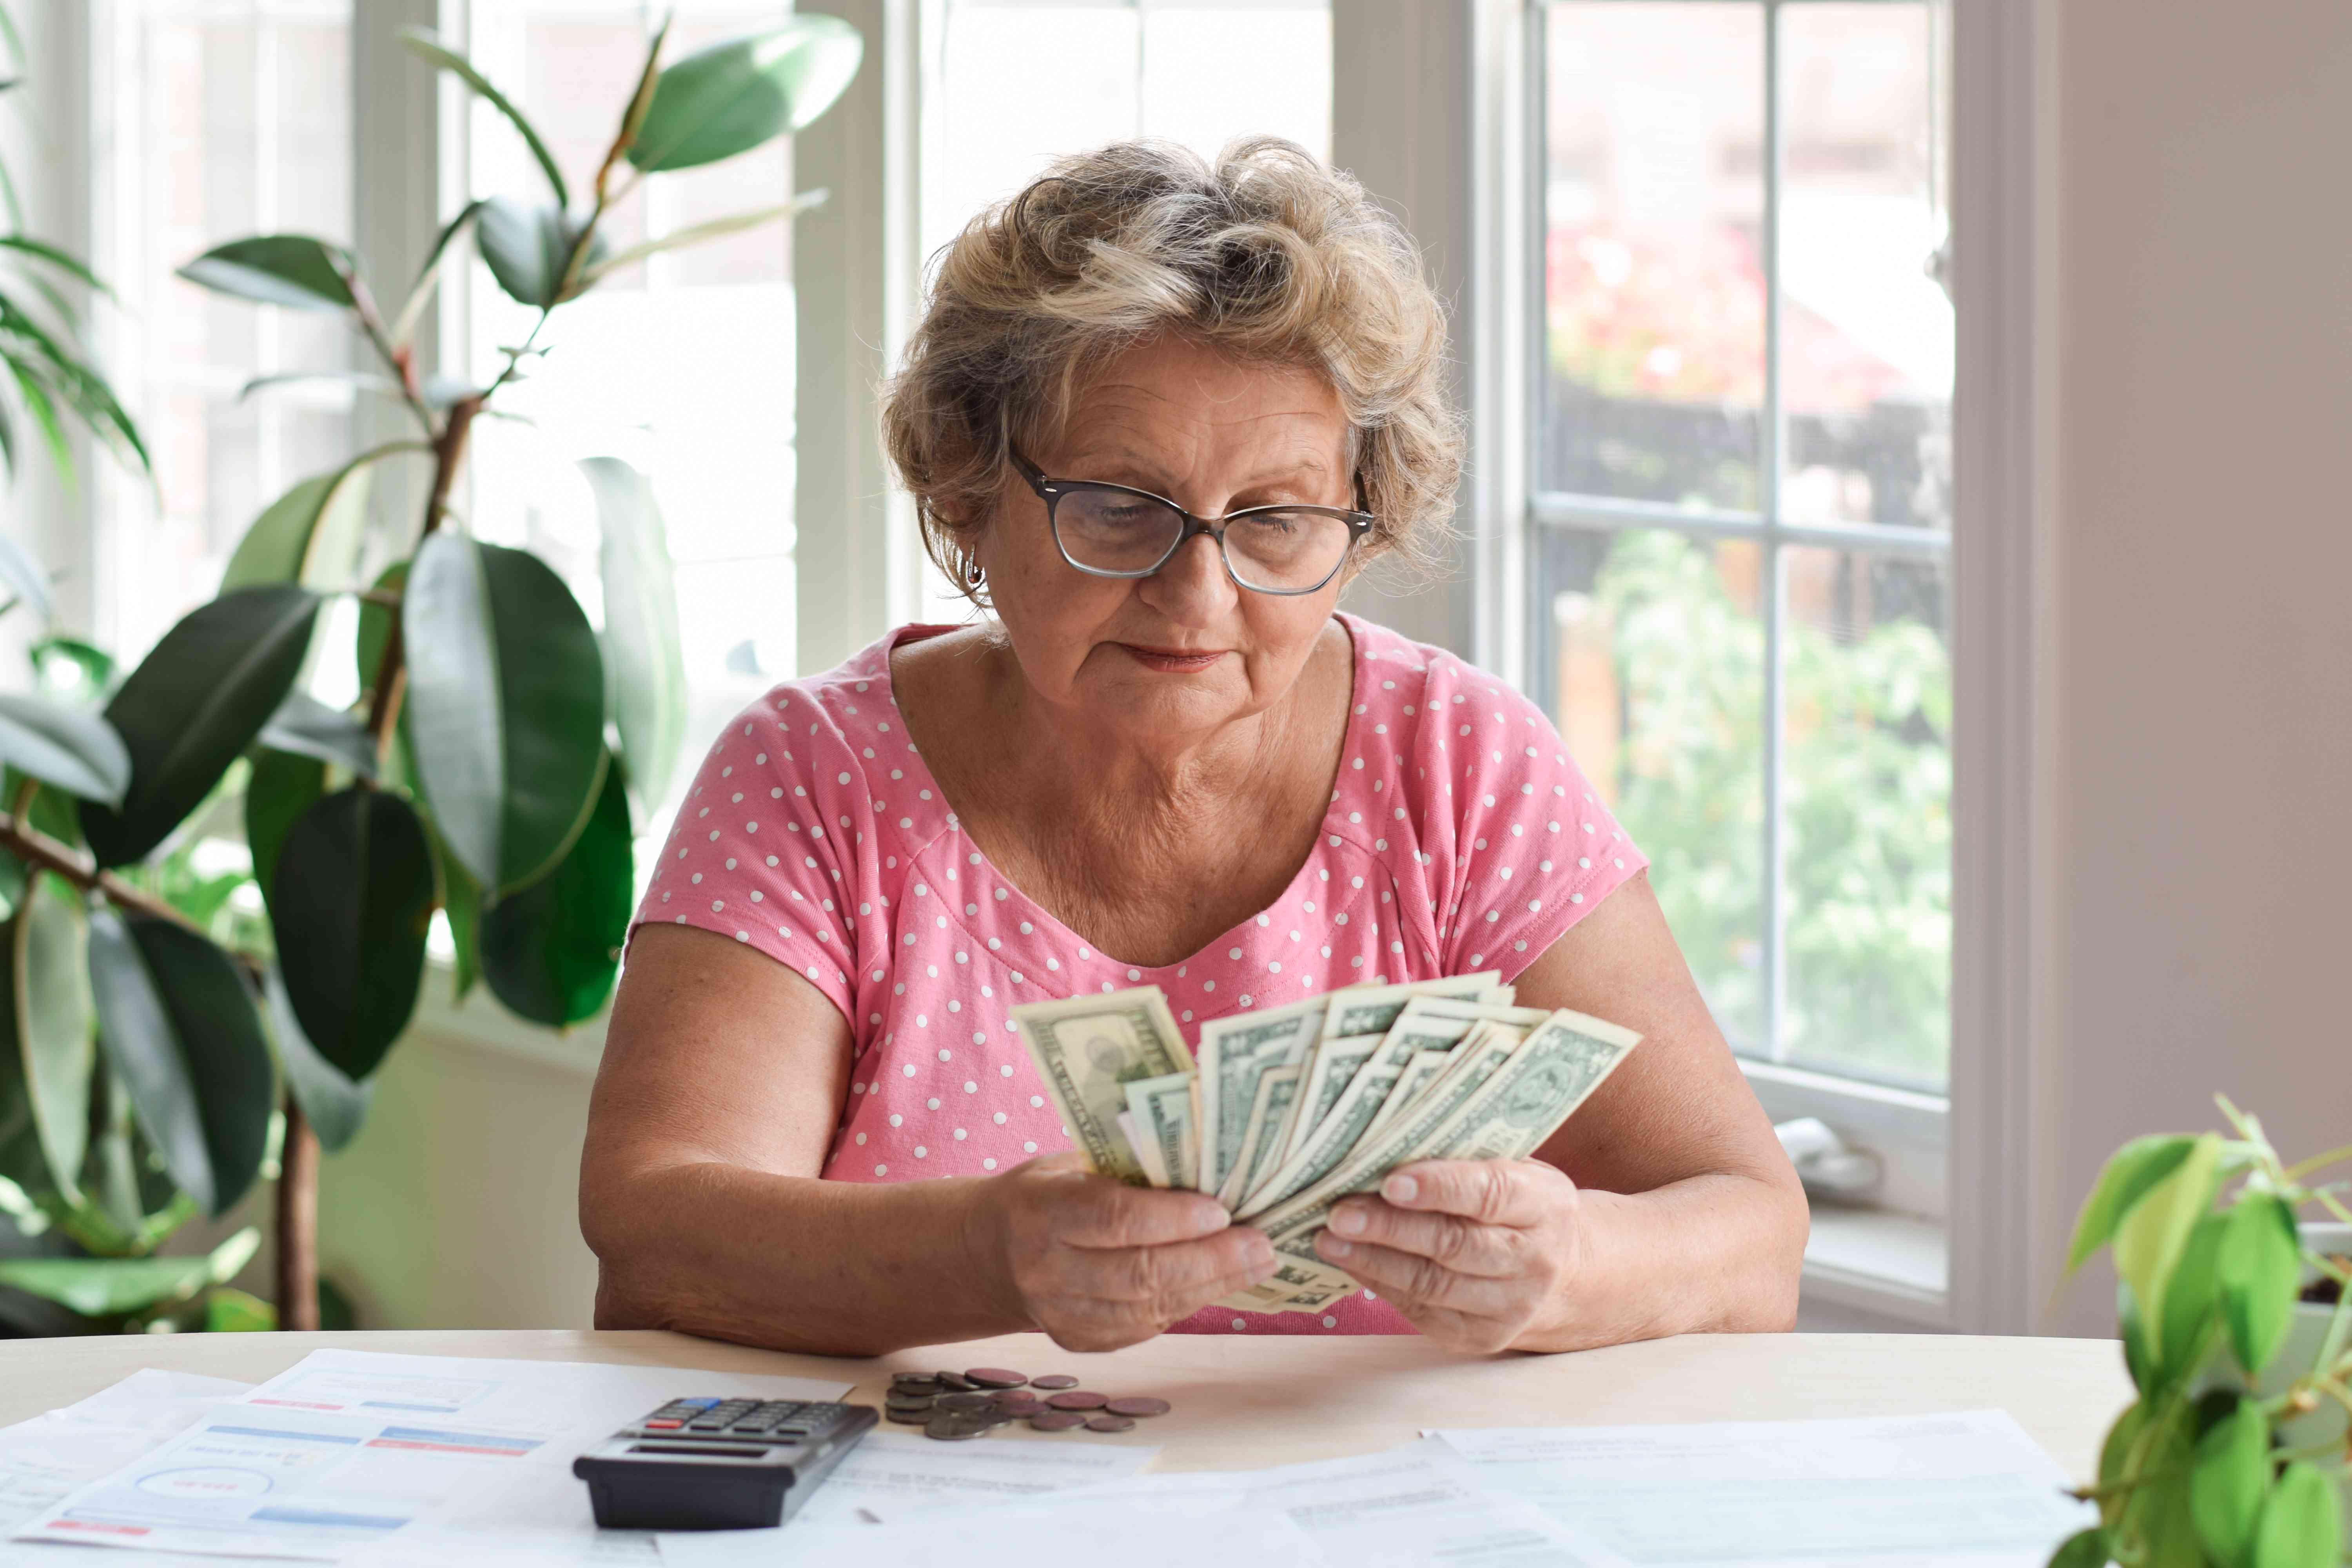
x,y
1193,586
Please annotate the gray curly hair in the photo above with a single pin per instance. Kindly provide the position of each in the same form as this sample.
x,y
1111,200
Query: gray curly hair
x,y
1266,254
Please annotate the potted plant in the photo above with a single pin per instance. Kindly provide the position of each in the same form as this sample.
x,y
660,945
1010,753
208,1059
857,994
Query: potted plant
x,y
155,1062
2236,1320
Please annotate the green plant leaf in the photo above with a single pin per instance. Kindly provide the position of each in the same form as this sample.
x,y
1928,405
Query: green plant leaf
x,y
528,247
2154,1230
312,535
51,1025
2226,1488
403,326
193,704
118,1287
2129,1172
234,1312
350,899
550,952
641,642
176,1023
506,706
698,234
363,380
2192,1296
282,787
2261,1269
291,270
734,96
67,667
56,258
2302,1523
2084,1549
2141,1359
25,577
422,43
77,751
333,1102
309,728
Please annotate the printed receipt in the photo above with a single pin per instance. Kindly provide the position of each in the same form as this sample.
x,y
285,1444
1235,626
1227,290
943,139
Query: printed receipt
x,y
349,1451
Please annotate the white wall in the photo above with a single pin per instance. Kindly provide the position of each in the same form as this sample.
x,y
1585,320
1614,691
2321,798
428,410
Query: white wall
x,y
2198,855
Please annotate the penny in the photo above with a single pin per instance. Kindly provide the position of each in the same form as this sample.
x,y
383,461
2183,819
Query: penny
x,y
996,1377
1111,1424
1020,1403
1053,1380
957,1381
954,1428
906,1382
972,1401
1076,1399
1138,1406
1056,1420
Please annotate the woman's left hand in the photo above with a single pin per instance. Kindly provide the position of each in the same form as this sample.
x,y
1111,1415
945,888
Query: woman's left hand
x,y
1477,1253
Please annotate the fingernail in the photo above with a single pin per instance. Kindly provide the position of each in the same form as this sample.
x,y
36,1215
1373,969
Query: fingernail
x,y
1335,1247
1401,1189
1348,1221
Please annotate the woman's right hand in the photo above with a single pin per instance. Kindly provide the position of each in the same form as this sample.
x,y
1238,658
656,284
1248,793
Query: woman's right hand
x,y
1098,1264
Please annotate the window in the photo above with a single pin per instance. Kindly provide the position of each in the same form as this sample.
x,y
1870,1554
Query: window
x,y
1742,510
223,119
1092,71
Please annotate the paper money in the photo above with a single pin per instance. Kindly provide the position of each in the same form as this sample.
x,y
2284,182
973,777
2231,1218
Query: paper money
x,y
1500,1103
1089,1049
1235,1053
1161,1111
1371,1009
1277,1087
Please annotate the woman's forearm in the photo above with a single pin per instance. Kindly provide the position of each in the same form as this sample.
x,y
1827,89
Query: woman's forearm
x,y
1719,1253
796,1263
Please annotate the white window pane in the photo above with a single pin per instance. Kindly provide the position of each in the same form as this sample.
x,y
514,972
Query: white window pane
x,y
1202,90
1868,376
229,118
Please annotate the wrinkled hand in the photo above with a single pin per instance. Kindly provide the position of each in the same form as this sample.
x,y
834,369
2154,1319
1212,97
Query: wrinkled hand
x,y
1476,1253
1098,1264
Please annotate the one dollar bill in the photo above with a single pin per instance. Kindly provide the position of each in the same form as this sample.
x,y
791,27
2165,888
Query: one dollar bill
x,y
1089,1049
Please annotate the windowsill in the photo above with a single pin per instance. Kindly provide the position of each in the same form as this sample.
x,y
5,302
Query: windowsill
x,y
1871,1260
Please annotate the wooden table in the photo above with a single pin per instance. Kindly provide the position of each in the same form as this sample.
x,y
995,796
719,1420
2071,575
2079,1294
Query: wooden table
x,y
1242,1403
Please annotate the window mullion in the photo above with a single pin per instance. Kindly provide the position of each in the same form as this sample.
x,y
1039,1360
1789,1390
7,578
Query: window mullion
x,y
1773,578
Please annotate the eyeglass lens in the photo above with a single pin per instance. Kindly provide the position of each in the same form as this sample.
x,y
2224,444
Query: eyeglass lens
x,y
1112,530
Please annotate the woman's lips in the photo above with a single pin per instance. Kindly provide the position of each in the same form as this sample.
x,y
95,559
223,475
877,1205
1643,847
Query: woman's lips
x,y
1175,661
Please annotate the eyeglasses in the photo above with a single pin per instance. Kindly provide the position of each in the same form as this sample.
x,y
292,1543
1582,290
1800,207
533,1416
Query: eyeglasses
x,y
1112,530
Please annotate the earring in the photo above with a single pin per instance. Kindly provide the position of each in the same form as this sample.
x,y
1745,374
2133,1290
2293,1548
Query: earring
x,y
972,574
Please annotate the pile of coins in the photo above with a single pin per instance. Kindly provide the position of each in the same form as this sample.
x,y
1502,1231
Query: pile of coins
x,y
954,1406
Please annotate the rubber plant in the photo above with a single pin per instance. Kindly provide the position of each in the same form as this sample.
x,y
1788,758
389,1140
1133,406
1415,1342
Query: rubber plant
x,y
2238,1338
494,768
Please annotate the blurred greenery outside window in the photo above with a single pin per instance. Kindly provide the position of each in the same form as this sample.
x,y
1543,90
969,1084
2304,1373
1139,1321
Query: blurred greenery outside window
x,y
1743,508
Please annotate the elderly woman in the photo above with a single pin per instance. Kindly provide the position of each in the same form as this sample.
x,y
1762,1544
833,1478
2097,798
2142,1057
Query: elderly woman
x,y
1156,417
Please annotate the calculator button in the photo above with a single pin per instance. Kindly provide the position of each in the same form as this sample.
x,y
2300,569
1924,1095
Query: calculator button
x,y
663,1423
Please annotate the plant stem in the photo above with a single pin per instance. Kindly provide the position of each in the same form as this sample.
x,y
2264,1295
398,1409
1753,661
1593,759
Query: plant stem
x,y
36,848
298,1223
2301,1168
391,682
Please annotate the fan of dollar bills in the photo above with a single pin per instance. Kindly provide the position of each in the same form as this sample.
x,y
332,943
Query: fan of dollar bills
x,y
1278,1114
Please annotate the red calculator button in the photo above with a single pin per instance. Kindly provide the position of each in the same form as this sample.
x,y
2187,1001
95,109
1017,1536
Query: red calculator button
x,y
664,1424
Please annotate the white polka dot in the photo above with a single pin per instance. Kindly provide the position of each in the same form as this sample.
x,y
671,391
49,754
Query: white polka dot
x,y
1331,1322
921,1153
1240,1325
1029,1147
844,778
988,1164
881,1170
896,1120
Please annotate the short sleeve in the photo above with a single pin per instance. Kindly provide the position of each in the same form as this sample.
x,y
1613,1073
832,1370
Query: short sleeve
x,y
1519,845
763,850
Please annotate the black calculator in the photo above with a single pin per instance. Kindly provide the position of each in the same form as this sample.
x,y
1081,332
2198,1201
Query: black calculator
x,y
718,1463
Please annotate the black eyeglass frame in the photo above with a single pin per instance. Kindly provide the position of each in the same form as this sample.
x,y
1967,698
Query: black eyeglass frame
x,y
1051,492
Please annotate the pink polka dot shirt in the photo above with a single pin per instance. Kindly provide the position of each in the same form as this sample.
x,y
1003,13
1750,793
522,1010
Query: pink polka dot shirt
x,y
1460,837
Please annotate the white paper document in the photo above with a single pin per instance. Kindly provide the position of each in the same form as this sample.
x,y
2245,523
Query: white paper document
x,y
1953,1490
351,1454
1016,1535
893,1476
46,1458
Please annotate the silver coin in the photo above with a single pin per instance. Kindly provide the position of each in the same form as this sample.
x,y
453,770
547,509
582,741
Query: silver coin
x,y
972,1401
954,1428
956,1380
909,1417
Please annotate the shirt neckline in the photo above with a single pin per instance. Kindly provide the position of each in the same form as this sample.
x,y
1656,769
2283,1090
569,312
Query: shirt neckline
x,y
1049,925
